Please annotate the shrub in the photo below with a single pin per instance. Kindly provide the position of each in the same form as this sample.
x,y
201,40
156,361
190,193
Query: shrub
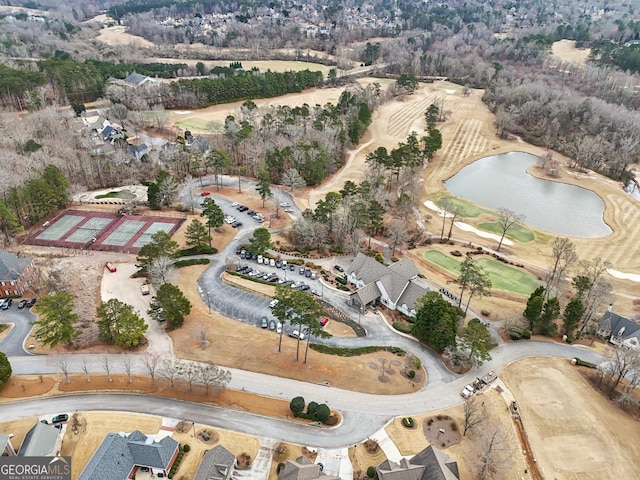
x,y
191,261
526,333
297,404
569,340
279,467
408,422
201,250
186,448
485,313
341,280
379,258
584,363
354,352
515,335
456,253
312,408
371,471
401,327
344,288
411,373
322,413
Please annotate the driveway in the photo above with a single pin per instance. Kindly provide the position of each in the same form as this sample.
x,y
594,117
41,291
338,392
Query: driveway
x,y
13,343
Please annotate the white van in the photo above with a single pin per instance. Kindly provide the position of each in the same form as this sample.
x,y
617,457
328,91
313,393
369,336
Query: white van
x,y
260,259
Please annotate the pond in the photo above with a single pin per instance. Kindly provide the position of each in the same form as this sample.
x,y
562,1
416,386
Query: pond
x,y
501,181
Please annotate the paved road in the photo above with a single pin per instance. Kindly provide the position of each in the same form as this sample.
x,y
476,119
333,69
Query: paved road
x,y
12,343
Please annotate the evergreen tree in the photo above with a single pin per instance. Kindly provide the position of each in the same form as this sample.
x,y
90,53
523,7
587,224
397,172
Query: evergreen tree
x,y
435,321
55,319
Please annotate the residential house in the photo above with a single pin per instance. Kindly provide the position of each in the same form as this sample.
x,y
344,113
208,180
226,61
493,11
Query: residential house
x,y
16,274
429,464
41,441
396,286
198,144
217,464
6,447
136,80
139,151
119,457
620,331
303,469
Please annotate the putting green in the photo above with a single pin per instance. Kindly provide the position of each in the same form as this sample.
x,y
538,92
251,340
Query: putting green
x,y
517,232
503,277
467,209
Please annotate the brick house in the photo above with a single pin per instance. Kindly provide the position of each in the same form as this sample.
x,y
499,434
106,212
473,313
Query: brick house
x,y
16,274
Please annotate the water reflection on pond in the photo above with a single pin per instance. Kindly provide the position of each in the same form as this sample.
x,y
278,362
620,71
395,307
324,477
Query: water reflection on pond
x,y
501,181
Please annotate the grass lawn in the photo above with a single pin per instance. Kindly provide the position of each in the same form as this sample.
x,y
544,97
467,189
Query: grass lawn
x,y
467,209
517,232
199,125
503,277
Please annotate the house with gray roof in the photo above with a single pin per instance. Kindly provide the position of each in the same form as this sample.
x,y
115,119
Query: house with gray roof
x,y
6,448
303,469
217,464
40,441
119,456
429,464
619,330
396,286
16,274
136,80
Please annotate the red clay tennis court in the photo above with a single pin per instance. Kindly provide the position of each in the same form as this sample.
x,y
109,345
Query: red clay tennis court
x,y
102,231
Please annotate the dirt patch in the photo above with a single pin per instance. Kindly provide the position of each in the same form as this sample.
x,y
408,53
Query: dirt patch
x,y
20,387
228,340
566,51
441,431
574,431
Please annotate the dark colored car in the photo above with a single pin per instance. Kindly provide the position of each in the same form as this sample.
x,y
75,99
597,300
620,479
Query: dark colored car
x,y
22,303
31,302
272,325
63,417
236,224
338,268
304,287
264,323
292,267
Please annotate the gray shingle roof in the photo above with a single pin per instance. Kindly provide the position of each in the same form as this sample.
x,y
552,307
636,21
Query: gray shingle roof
x,y
429,464
367,294
405,267
411,294
39,441
366,268
12,266
217,464
135,79
118,454
615,323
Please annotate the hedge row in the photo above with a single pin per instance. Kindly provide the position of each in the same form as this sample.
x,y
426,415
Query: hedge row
x,y
201,250
584,363
354,352
191,261
401,327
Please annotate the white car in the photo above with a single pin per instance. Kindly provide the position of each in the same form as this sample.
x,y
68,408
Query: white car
x,y
285,204
273,303
279,328
467,391
297,334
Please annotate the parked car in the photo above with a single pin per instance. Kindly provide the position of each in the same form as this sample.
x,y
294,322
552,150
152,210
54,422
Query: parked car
x,y
110,266
314,275
63,417
301,270
304,287
272,262
278,264
279,327
285,204
467,391
297,334
338,268
292,267
6,304
288,210
316,293
324,321
272,325
205,194
31,302
264,323
273,303
22,303
307,273
236,224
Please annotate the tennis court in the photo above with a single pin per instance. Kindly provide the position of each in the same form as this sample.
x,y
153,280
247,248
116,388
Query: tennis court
x,y
124,233
87,230
60,227
152,229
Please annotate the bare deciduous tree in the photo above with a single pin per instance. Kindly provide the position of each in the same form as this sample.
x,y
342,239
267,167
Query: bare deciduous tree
x,y
161,270
211,375
85,368
106,366
507,220
62,362
474,414
151,361
189,372
127,362
292,179
563,255
494,450
170,369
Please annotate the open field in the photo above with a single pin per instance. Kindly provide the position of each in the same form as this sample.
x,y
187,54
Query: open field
x,y
566,51
574,431
503,277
